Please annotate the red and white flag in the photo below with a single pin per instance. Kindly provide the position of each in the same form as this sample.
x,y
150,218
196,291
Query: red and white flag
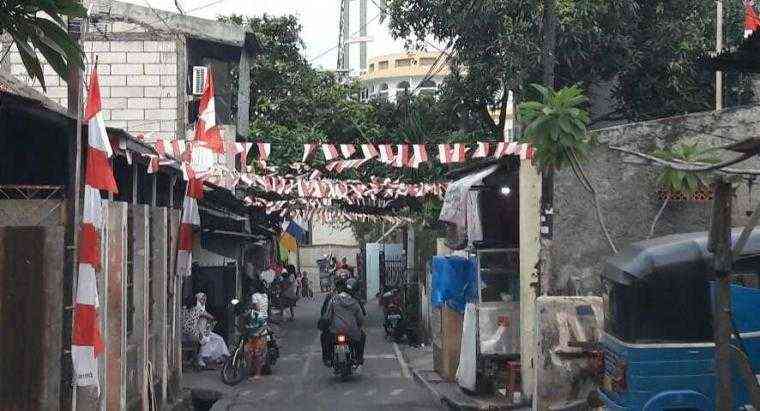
x,y
308,150
512,148
347,150
751,19
160,148
86,339
152,164
264,150
444,153
420,155
459,153
482,150
386,153
330,152
206,130
369,151
402,156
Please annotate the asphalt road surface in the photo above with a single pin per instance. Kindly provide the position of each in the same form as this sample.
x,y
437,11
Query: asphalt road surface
x,y
301,382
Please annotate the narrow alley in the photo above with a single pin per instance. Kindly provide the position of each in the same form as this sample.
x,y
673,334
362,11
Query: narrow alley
x,y
301,382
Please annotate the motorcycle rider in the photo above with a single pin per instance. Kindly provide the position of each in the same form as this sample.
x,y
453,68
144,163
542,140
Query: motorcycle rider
x,y
344,314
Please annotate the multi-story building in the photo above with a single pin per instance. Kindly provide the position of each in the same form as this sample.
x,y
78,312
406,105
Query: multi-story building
x,y
392,74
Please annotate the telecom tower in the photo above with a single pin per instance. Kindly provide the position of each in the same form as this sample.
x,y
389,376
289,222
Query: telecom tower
x,y
345,38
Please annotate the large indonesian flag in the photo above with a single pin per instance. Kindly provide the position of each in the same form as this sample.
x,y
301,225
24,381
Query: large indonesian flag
x,y
190,219
751,19
206,129
86,341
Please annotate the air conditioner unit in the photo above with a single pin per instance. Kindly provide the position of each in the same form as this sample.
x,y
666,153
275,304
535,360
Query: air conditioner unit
x,y
199,79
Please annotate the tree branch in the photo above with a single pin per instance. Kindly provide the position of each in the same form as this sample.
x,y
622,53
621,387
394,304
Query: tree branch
x,y
694,167
657,217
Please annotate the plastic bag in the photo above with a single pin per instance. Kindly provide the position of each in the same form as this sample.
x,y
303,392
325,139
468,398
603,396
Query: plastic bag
x,y
454,282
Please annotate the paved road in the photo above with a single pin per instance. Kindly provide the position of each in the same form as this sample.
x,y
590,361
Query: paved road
x,y
302,382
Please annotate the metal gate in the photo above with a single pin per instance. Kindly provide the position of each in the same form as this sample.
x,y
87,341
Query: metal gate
x,y
22,310
392,272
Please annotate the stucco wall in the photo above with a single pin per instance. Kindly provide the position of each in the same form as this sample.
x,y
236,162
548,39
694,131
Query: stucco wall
x,y
627,193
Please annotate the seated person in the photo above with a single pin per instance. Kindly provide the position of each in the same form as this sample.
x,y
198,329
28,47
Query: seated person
x,y
345,316
197,325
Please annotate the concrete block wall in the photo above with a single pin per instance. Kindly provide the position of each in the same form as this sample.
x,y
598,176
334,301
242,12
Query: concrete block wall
x,y
627,193
138,82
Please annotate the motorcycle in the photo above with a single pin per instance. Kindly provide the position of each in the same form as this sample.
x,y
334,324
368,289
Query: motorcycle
x,y
393,316
344,358
237,366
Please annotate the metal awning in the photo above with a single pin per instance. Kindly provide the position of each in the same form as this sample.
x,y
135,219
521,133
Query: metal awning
x,y
679,252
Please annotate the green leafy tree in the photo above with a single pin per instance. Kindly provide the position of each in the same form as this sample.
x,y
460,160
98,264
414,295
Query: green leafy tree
x,y
33,33
643,52
557,128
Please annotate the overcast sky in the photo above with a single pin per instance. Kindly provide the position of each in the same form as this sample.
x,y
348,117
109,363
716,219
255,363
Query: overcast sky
x,y
318,17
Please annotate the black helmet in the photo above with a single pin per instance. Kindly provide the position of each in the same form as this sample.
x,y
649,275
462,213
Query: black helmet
x,y
340,284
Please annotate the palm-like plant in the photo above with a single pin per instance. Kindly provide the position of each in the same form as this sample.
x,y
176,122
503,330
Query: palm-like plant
x,y
557,130
33,33
556,127
676,182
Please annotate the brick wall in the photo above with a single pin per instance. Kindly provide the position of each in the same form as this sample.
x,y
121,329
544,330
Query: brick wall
x,y
138,83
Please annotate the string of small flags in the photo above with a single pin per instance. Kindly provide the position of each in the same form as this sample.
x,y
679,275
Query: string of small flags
x,y
350,191
321,211
340,157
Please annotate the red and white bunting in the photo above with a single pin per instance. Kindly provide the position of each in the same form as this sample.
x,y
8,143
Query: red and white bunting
x,y
330,152
369,151
482,150
402,156
153,164
347,150
160,148
444,153
459,153
206,130
264,150
308,150
420,155
386,153
86,340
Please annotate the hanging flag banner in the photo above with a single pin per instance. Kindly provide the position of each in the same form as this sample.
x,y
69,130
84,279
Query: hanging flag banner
x,y
751,19
347,150
206,130
386,153
330,152
86,338
369,151
482,150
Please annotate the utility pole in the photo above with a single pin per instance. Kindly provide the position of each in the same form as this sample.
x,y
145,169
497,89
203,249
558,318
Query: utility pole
x,y
718,49
720,245
363,34
74,82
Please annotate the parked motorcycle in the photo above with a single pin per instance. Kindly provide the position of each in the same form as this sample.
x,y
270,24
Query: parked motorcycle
x,y
344,358
237,366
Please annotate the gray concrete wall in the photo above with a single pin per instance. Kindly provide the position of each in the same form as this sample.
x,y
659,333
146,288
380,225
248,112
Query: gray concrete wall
x,y
159,335
628,193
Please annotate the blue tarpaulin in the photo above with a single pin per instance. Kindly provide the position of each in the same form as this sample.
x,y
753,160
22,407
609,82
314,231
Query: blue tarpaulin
x,y
454,282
